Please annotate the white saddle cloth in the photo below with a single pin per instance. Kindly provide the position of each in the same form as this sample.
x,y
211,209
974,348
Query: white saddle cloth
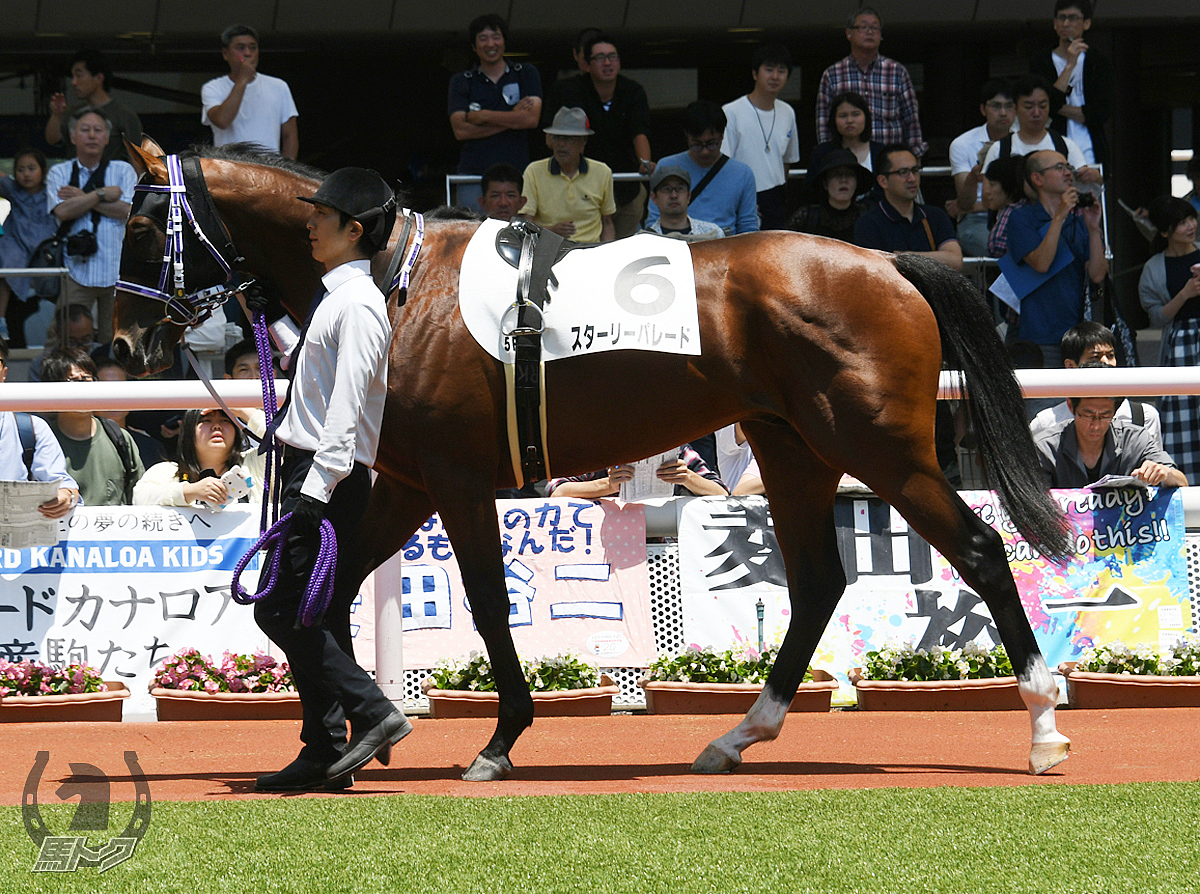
x,y
633,294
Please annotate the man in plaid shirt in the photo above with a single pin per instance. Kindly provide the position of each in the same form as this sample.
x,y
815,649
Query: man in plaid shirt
x,y
883,82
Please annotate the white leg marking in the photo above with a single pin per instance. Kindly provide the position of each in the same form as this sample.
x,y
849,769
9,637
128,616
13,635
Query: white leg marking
x,y
1040,694
762,723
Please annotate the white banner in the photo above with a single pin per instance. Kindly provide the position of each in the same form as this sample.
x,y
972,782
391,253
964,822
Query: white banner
x,y
128,586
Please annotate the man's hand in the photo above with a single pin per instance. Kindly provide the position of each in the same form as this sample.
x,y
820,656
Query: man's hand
x,y
69,192
673,471
566,228
307,515
63,503
1075,49
58,104
242,70
255,299
1156,473
1089,175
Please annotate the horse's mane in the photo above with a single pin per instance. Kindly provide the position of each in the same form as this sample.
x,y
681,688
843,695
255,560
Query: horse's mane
x,y
249,153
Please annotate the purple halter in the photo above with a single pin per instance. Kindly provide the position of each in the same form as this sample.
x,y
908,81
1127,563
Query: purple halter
x,y
182,307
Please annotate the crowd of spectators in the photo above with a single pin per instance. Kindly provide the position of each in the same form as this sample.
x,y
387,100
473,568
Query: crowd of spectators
x,y
1024,180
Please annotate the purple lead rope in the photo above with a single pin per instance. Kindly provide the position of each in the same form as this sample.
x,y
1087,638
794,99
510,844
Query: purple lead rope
x,y
319,592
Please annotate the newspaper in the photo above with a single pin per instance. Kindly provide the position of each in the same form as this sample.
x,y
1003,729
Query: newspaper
x,y
645,482
21,525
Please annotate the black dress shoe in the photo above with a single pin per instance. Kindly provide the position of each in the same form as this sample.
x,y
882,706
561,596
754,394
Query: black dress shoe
x,y
302,775
372,741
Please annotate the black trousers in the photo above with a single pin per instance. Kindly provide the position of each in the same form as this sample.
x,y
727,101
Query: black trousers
x,y
332,687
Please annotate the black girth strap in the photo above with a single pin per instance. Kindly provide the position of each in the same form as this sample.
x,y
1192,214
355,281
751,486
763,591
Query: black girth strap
x,y
539,250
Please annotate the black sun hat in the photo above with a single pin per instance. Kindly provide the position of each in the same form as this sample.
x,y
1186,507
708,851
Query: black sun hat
x,y
362,194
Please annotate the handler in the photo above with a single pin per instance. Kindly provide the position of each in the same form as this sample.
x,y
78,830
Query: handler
x,y
329,433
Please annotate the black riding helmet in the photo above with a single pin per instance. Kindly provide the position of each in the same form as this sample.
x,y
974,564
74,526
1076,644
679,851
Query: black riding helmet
x,y
363,195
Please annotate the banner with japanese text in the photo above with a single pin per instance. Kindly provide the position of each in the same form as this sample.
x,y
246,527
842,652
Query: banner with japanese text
x,y
577,583
1127,579
128,586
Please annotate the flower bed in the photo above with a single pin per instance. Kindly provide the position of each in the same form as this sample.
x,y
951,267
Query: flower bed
x,y
191,686
1119,676
901,678
705,681
32,691
561,686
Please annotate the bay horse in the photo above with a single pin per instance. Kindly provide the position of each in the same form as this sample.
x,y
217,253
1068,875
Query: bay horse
x,y
828,354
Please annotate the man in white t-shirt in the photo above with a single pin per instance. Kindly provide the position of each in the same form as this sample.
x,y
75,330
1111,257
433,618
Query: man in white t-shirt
x,y
762,132
1032,95
966,165
245,106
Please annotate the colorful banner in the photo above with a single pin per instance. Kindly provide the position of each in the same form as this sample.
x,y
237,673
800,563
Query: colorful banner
x,y
1127,580
577,583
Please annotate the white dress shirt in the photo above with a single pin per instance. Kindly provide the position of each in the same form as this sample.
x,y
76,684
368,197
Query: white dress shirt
x,y
340,381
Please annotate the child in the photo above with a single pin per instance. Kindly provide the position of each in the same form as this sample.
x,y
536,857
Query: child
x,y
28,224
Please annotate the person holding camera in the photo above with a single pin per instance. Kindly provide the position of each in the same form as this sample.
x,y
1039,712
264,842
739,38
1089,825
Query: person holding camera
x,y
1055,246
90,198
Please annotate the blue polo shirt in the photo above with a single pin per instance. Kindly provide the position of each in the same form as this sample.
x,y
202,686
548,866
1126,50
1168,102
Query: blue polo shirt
x,y
1057,304
885,228
511,146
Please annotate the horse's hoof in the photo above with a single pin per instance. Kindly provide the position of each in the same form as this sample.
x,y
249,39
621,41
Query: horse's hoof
x,y
1045,755
713,760
487,769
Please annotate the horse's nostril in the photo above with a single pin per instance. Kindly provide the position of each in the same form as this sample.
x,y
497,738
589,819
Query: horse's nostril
x,y
120,349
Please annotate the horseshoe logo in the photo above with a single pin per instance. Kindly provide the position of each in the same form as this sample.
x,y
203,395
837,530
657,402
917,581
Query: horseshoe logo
x,y
88,814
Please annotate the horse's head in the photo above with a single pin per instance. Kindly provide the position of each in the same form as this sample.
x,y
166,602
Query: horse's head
x,y
157,296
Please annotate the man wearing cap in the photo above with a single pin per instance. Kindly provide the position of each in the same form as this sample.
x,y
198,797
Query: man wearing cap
x,y
328,433
670,191
567,193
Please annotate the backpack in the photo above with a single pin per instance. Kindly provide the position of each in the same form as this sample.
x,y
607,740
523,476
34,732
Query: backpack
x,y
28,441
117,436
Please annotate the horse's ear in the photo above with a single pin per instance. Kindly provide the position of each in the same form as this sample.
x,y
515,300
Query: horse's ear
x,y
152,147
146,158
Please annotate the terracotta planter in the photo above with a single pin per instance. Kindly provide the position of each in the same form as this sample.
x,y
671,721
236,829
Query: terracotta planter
x,y
1086,689
594,702
89,706
995,694
178,704
665,697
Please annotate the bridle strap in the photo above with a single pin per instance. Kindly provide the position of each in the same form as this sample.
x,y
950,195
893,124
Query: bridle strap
x,y
182,307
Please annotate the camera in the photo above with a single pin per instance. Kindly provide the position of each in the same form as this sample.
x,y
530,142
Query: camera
x,y
82,244
1086,200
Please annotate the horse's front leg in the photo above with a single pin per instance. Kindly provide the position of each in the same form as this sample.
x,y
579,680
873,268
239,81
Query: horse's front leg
x,y
475,533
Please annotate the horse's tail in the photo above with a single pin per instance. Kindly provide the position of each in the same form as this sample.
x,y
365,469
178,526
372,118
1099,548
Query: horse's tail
x,y
970,343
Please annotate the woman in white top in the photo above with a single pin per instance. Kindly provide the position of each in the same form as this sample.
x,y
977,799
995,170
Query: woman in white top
x,y
209,446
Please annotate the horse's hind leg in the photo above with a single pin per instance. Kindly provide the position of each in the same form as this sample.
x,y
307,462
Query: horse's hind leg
x,y
939,515
802,490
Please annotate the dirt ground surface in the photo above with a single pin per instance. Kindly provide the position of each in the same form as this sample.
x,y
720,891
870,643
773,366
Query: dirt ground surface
x,y
195,761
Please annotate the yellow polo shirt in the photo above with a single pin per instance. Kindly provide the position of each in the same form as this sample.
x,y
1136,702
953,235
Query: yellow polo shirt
x,y
553,198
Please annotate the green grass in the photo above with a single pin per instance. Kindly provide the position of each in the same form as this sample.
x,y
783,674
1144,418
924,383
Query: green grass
x,y
1040,838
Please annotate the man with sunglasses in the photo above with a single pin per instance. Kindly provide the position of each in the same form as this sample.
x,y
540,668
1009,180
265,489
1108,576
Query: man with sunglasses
x,y
1096,443
898,222
1055,247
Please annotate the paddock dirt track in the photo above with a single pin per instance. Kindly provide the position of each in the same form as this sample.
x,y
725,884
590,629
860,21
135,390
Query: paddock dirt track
x,y
193,761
